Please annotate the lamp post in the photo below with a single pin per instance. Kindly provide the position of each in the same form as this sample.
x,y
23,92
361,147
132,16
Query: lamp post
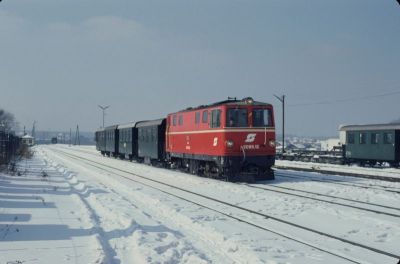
x,y
104,111
282,100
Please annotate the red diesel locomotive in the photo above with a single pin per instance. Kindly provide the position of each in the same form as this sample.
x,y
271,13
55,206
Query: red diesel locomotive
x,y
233,139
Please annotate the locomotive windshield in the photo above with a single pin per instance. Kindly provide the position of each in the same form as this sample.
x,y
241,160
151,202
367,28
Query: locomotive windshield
x,y
236,118
262,118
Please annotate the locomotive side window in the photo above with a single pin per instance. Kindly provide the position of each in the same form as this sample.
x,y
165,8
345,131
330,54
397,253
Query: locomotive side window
x,y
180,120
174,120
387,138
236,118
363,138
215,118
262,117
205,116
197,118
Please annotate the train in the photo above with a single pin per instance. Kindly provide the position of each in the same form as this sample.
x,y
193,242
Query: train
x,y
364,145
371,144
9,146
232,140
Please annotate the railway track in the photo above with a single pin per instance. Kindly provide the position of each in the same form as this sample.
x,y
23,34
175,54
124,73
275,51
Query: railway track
x,y
340,182
271,187
195,197
297,176
357,175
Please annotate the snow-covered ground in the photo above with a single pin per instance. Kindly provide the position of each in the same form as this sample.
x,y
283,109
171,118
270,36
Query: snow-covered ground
x,y
353,169
71,205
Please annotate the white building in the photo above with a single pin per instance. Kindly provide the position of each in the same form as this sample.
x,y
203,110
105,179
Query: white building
x,y
28,140
329,144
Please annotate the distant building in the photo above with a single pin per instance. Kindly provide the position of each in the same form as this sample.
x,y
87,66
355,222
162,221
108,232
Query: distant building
x,y
330,144
28,140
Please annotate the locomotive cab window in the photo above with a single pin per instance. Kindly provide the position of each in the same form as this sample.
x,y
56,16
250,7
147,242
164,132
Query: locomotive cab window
x,y
236,117
262,118
180,121
215,118
197,118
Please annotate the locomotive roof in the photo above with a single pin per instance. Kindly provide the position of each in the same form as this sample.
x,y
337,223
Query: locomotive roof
x,y
100,129
150,122
390,126
244,101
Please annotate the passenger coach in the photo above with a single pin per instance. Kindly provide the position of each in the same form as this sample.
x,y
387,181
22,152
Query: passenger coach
x,y
233,139
372,144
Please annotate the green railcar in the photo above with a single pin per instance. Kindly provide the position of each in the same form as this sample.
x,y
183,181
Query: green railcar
x,y
372,143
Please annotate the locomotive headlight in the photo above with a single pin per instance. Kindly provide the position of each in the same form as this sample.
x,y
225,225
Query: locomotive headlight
x,y
272,143
229,143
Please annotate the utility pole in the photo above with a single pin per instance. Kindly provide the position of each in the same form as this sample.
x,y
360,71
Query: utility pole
x,y
104,111
282,100
70,136
34,129
77,139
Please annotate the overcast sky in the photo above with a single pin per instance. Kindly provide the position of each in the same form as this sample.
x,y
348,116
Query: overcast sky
x,y
337,62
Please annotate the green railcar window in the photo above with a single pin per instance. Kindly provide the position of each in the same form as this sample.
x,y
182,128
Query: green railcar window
x,y
363,138
388,138
375,138
350,138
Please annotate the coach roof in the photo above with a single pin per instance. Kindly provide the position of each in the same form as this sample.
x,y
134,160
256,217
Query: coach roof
x,y
156,122
127,125
390,126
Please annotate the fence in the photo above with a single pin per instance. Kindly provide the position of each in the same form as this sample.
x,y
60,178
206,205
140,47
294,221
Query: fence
x,y
9,144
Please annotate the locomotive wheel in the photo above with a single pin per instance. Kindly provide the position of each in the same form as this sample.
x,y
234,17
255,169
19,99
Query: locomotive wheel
x,y
265,175
194,167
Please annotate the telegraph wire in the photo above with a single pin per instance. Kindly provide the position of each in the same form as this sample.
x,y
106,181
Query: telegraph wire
x,y
351,99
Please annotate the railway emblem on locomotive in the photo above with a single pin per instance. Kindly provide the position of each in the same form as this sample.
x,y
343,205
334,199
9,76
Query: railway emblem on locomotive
x,y
250,138
215,142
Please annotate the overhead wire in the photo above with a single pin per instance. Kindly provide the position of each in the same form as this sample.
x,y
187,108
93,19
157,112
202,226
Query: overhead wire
x,y
350,99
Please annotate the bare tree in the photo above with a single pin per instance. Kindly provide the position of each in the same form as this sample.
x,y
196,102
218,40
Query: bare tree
x,y
7,120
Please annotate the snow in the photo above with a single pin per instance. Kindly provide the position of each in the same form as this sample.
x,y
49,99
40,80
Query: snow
x,y
68,210
382,172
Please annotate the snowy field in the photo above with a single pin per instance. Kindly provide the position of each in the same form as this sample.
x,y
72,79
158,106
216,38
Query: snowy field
x,y
71,205
351,169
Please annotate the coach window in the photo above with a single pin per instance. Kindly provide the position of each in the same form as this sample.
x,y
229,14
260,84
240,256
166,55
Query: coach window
x,y
374,138
350,138
387,138
180,120
174,120
205,116
197,118
215,118
363,138
236,117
